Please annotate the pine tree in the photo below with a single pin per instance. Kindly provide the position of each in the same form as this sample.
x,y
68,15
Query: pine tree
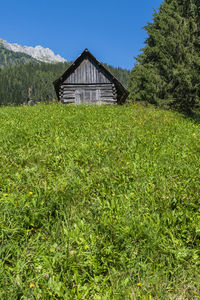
x,y
167,72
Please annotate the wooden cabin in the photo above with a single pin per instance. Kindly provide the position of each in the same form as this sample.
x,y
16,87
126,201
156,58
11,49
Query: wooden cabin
x,y
88,81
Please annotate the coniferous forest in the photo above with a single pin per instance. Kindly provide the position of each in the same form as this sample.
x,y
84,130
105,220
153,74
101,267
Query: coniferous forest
x,y
16,81
167,72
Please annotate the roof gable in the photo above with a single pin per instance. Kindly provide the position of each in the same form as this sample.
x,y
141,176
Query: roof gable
x,y
86,55
87,72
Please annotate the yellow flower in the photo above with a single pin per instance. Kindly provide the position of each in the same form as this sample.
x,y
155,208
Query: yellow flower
x,y
155,148
128,163
5,195
132,194
105,150
28,230
86,247
30,193
32,285
139,284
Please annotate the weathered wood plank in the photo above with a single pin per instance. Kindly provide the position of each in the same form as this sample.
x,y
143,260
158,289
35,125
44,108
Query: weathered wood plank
x,y
68,101
85,84
68,97
88,87
109,100
68,93
87,72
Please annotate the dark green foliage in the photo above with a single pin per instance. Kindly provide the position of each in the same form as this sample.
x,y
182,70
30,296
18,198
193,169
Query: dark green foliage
x,y
167,72
10,58
121,74
16,81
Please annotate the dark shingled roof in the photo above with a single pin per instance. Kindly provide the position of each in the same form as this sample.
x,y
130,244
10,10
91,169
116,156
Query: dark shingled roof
x,y
122,92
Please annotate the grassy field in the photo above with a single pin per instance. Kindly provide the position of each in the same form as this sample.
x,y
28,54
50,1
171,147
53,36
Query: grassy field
x,y
99,202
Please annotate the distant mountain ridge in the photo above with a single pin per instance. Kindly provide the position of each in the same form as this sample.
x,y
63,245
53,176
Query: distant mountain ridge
x,y
39,53
9,58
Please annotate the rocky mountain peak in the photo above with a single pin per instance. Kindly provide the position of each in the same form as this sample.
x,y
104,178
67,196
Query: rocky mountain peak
x,y
38,52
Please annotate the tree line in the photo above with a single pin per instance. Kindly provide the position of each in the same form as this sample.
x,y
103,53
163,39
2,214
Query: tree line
x,y
19,82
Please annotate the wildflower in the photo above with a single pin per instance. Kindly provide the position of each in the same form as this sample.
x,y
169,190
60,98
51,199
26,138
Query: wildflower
x,y
139,284
30,193
128,163
155,148
71,253
28,230
43,238
132,194
5,195
32,285
86,247
105,150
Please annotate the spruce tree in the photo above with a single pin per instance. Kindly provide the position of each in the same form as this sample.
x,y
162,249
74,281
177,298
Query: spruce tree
x,y
167,71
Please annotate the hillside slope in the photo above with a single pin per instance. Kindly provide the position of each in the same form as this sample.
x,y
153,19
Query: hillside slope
x,y
10,58
98,202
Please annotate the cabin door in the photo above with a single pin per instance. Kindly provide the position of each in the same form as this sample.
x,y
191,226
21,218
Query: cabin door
x,y
79,96
87,96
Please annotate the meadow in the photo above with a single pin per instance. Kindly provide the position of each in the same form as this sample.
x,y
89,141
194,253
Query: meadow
x,y
99,202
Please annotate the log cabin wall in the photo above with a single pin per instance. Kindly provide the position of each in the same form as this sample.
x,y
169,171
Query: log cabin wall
x,y
87,84
88,93
88,81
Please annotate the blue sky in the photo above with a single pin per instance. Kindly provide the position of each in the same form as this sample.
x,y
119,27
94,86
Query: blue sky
x,y
111,30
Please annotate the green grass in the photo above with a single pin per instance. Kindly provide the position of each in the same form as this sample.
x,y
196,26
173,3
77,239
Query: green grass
x,y
99,202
